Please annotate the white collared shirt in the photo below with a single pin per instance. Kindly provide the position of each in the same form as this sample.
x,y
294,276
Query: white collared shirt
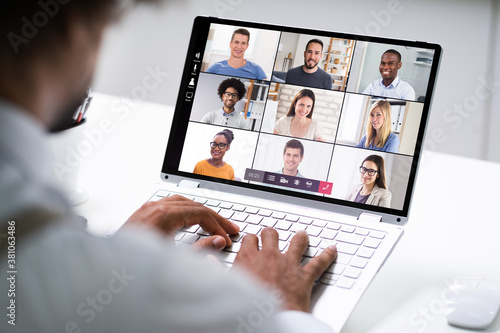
x,y
220,117
135,281
397,89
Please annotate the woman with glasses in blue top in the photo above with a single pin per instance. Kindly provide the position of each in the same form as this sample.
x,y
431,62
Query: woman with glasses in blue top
x,y
215,165
373,189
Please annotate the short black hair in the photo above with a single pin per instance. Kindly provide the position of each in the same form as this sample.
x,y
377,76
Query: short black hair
x,y
394,52
232,83
317,41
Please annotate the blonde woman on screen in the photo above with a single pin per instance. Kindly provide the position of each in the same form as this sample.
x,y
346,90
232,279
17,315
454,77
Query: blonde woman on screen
x,y
379,135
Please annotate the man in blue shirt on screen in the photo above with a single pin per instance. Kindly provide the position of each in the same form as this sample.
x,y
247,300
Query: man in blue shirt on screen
x,y
236,65
390,85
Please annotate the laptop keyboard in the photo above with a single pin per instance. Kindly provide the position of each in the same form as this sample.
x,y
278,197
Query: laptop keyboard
x,y
355,245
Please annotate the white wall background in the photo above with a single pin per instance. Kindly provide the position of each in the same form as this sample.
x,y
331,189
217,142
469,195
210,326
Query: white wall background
x,y
463,120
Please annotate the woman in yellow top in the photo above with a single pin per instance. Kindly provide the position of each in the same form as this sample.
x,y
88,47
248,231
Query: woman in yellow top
x,y
215,166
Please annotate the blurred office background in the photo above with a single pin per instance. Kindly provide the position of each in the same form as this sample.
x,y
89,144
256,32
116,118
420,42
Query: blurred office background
x,y
465,115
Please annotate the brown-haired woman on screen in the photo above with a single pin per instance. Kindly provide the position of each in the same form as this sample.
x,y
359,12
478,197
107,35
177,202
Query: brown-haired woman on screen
x,y
298,121
215,165
373,189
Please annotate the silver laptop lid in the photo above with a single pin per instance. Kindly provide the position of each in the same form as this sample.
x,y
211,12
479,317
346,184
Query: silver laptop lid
x,y
324,119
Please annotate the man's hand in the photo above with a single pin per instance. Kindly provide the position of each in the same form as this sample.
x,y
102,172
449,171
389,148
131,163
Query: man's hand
x,y
172,213
283,271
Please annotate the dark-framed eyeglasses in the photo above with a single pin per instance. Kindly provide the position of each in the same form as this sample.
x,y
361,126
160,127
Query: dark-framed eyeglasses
x,y
364,170
221,145
233,95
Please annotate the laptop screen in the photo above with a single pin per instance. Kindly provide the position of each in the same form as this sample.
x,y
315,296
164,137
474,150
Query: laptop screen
x,y
328,116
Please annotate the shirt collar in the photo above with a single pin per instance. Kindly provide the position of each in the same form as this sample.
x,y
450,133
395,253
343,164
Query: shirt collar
x,y
24,139
227,114
393,84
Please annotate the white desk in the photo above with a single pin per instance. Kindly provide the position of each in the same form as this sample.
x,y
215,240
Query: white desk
x,y
453,229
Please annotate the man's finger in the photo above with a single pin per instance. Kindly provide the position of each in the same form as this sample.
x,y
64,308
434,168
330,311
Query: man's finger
x,y
298,245
249,243
269,238
216,243
320,263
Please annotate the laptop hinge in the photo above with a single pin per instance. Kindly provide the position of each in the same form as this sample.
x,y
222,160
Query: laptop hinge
x,y
370,217
188,184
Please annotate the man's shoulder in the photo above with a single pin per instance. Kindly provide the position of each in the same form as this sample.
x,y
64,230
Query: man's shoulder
x,y
218,65
296,70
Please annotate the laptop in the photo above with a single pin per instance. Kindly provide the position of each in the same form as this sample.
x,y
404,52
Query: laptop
x,y
302,129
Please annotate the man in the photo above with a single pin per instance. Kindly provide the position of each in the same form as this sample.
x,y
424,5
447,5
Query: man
x,y
309,74
230,91
63,279
293,154
237,65
390,85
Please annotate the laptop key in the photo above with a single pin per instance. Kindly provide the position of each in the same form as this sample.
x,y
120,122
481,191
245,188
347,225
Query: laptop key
x,y
358,262
349,238
328,234
313,231
238,208
190,238
212,203
345,282
252,229
265,212
348,228
226,213
352,272
253,219
200,200
377,234
235,247
192,229
225,205
310,252
283,225
268,222
252,210
347,248
372,243
319,223
365,252
283,235
239,217
278,215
